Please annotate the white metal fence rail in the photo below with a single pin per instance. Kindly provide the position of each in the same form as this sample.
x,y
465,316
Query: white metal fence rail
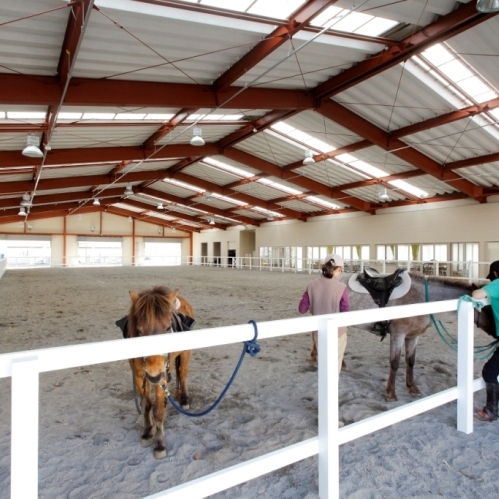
x,y
25,367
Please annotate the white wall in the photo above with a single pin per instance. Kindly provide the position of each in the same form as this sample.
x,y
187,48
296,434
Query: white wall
x,y
445,222
104,225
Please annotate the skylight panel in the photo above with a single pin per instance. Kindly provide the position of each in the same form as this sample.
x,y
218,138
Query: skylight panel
x,y
129,116
326,204
228,200
320,145
69,116
182,184
455,70
438,55
369,169
98,116
376,26
227,168
239,5
286,139
276,185
474,86
2,115
282,127
280,9
351,22
232,117
212,117
160,117
299,135
25,115
346,158
411,189
325,16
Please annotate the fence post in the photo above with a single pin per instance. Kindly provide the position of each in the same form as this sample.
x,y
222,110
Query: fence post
x,y
329,451
24,439
465,332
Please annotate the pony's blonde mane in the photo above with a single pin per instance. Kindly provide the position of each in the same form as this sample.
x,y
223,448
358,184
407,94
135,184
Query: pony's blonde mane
x,y
150,304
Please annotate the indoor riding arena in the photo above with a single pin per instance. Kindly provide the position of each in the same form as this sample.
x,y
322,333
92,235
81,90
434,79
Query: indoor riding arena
x,y
229,149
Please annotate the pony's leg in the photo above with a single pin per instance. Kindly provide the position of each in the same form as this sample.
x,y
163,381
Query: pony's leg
x,y
410,358
144,394
396,342
182,370
313,352
159,420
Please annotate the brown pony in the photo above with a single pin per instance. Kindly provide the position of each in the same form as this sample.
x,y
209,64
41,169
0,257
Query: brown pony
x,y
406,331
154,311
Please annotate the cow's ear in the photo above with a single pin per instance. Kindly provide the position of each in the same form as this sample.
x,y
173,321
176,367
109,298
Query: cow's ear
x,y
134,296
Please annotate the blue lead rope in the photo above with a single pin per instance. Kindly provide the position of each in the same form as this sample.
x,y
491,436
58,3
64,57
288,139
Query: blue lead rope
x,y
250,347
450,340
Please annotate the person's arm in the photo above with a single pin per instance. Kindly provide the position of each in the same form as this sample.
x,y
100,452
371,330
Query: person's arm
x,y
304,303
344,303
479,294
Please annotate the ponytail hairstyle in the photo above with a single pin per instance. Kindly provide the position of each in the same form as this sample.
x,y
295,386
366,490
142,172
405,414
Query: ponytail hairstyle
x,y
328,268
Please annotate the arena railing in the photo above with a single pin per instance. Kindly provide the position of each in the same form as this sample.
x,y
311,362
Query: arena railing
x,y
448,268
3,266
25,367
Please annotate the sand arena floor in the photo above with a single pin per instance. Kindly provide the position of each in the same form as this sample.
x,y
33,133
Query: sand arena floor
x,y
89,431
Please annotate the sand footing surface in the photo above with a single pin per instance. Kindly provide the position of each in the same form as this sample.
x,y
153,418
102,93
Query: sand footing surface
x,y
89,429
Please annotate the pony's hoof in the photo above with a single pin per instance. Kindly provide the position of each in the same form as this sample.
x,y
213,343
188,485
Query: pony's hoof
x,y
146,442
390,397
160,453
415,393
185,406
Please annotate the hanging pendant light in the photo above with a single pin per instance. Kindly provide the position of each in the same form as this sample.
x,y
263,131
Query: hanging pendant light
x,y
128,190
383,196
22,212
26,202
197,137
487,6
309,158
32,149
96,202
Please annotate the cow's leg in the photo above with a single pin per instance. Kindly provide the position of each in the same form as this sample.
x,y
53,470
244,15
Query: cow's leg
x,y
159,411
396,342
410,358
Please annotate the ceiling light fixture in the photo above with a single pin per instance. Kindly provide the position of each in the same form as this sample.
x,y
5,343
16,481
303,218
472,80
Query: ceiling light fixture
x,y
160,206
128,190
32,149
309,158
212,221
130,219
26,202
197,137
96,202
487,6
22,212
270,217
383,196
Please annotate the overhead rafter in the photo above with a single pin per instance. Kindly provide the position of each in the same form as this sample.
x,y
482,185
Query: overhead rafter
x,y
343,116
306,183
46,90
462,19
297,21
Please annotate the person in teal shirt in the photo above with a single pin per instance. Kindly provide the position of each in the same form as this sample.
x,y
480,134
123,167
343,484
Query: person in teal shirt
x,y
490,370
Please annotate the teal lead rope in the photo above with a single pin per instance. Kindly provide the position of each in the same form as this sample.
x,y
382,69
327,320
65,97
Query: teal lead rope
x,y
451,341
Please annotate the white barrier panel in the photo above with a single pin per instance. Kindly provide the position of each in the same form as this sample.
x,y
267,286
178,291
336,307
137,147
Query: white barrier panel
x,y
3,265
24,367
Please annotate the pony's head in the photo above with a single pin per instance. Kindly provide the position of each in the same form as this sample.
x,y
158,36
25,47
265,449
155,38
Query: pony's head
x,y
151,313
